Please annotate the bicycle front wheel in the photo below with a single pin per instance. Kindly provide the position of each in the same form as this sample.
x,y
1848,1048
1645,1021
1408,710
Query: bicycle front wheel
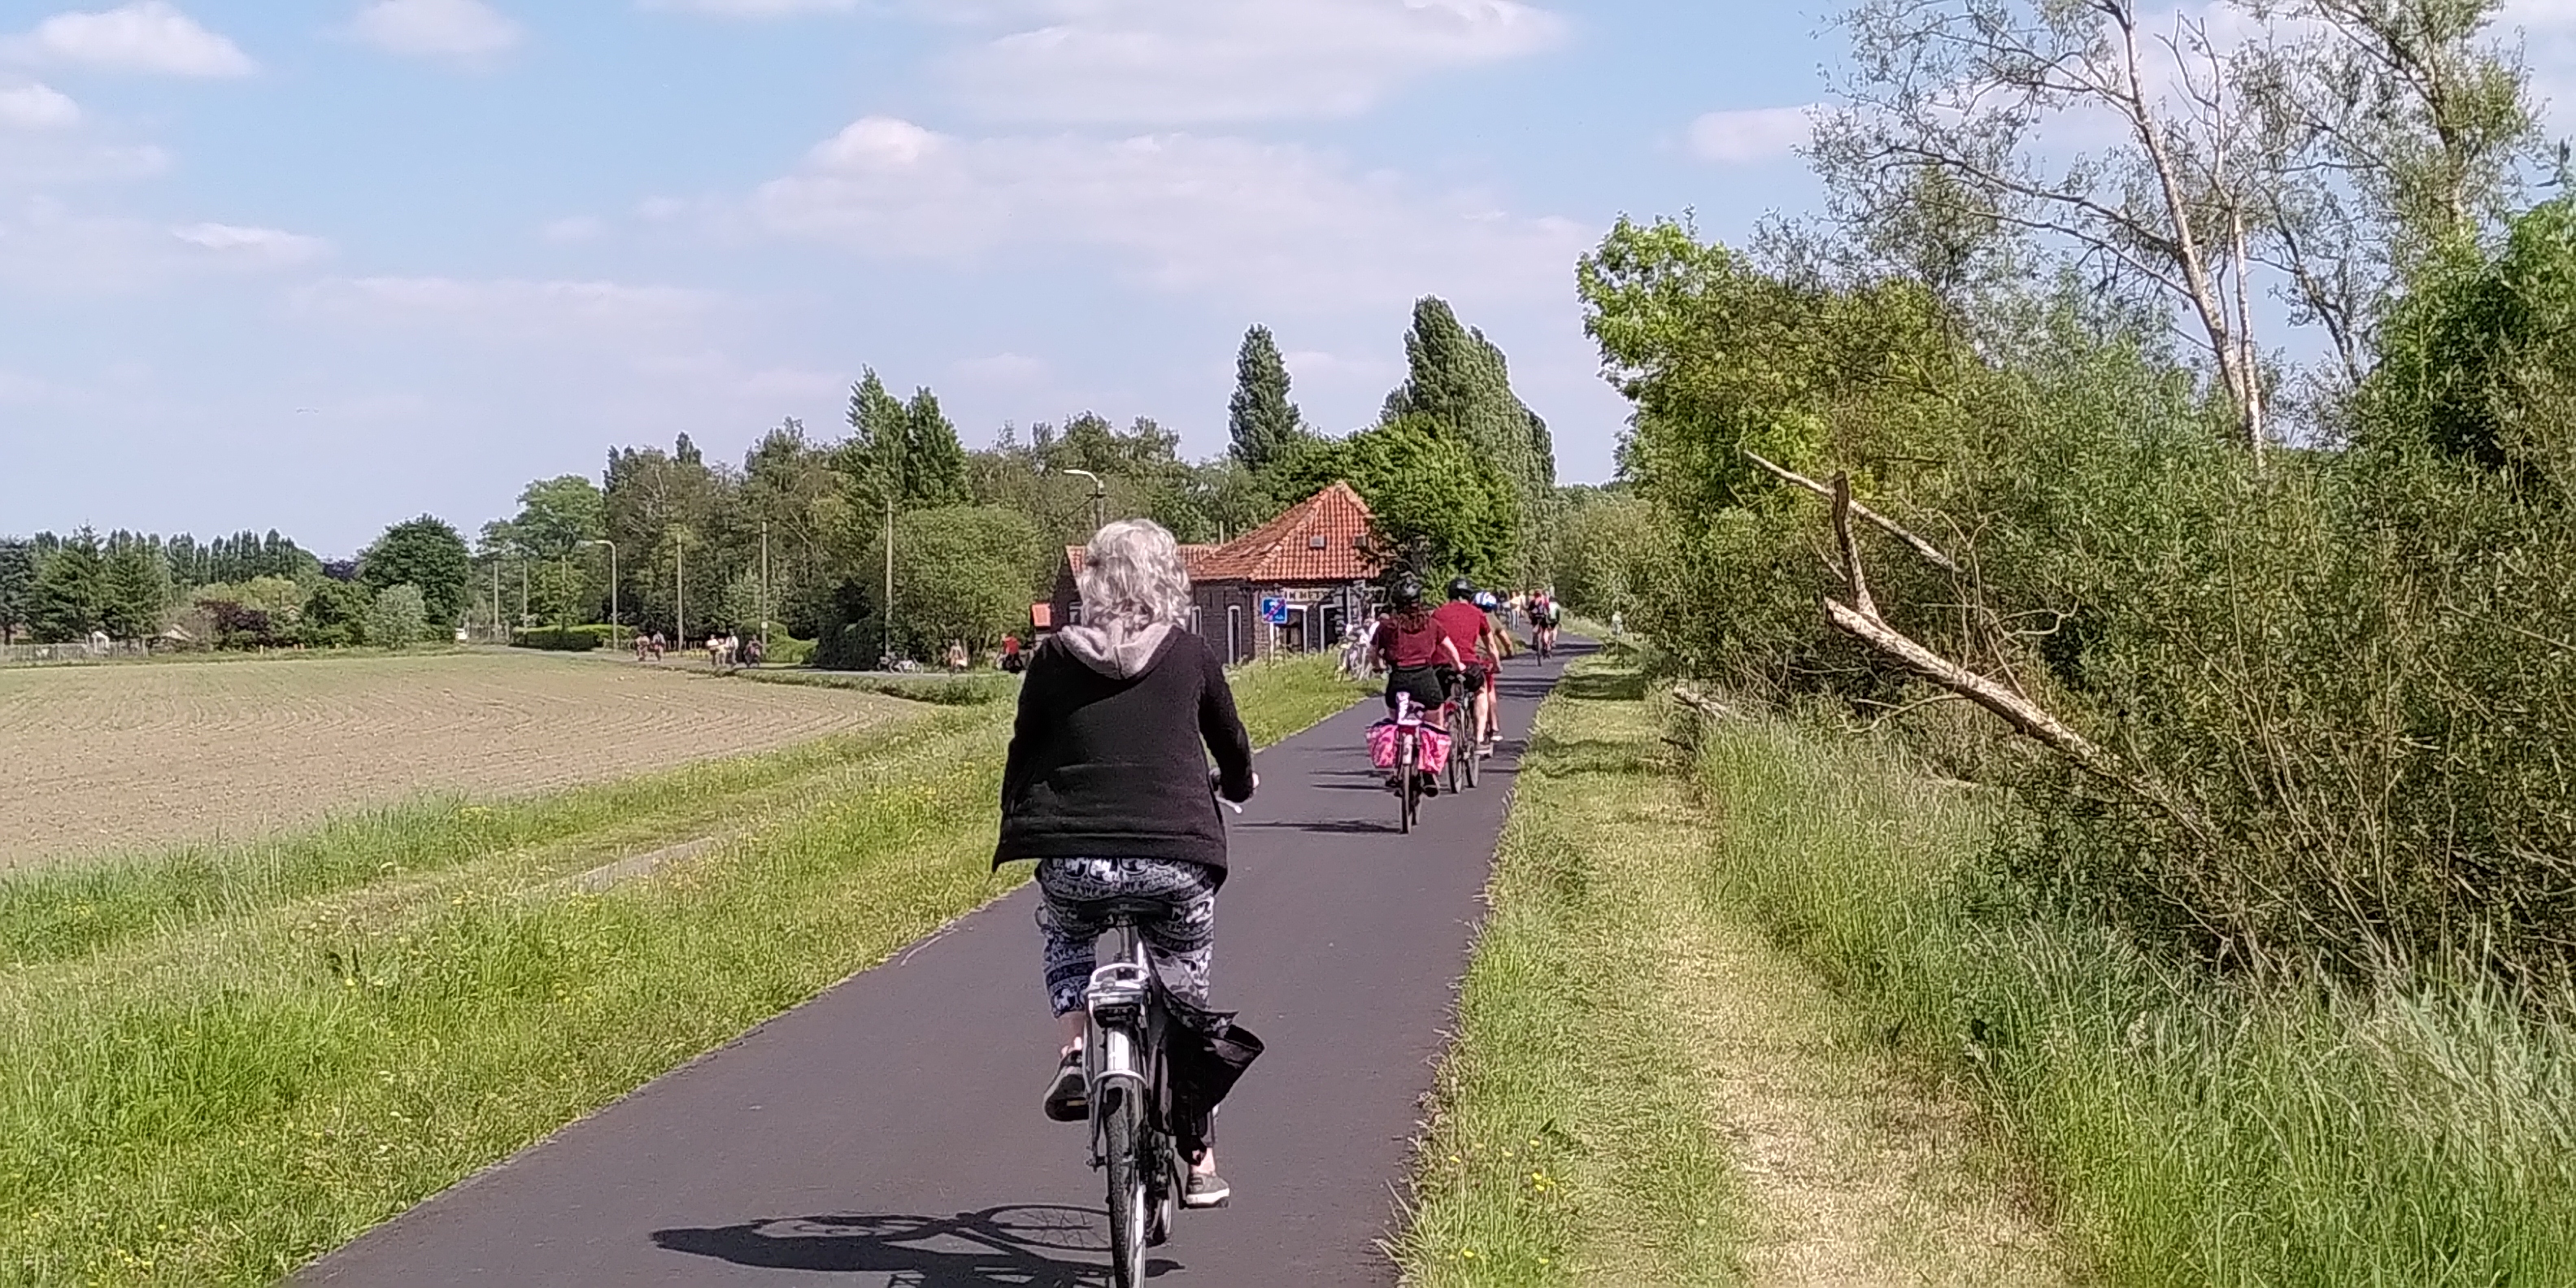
x,y
1127,1164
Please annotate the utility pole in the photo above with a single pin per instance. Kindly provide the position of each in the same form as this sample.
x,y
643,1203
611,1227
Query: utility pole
x,y
764,585
888,647
612,587
680,577
496,596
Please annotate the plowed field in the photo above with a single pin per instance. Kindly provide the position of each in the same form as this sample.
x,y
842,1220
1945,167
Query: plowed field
x,y
115,758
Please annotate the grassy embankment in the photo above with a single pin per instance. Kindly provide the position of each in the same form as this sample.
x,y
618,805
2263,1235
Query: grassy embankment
x,y
2176,1130
1646,1090
216,1066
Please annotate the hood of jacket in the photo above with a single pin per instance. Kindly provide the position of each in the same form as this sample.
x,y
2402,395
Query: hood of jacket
x,y
1115,650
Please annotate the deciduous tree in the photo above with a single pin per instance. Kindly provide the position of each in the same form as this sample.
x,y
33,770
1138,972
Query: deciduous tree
x,y
425,553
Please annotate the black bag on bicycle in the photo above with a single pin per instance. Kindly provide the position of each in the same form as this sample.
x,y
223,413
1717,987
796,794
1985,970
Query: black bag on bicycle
x,y
1207,1053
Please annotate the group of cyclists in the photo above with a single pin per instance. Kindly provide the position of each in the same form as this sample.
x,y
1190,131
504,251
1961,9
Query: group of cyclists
x,y
1426,651
1107,783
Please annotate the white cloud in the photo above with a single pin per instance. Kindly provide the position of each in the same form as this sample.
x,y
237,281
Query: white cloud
x,y
1184,213
462,29
1001,369
36,106
752,8
145,36
510,307
1181,62
575,228
265,246
1752,134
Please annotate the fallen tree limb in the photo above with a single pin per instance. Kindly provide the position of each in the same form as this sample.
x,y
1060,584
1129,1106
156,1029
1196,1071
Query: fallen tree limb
x,y
1891,527
1861,621
2016,711
1702,703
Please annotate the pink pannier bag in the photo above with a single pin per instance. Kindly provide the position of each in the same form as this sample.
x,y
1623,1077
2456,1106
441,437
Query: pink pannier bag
x,y
1382,743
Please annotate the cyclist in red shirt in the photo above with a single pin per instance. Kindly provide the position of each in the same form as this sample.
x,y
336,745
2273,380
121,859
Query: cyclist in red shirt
x,y
1478,639
1413,646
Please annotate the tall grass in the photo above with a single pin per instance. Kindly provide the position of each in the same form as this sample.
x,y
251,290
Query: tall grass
x,y
2189,1131
264,1076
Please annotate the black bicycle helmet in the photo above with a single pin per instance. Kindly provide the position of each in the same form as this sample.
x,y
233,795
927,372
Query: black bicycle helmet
x,y
1406,592
1461,588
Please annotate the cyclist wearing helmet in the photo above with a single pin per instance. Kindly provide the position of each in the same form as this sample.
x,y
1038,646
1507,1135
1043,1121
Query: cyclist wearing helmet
x,y
1412,646
1476,638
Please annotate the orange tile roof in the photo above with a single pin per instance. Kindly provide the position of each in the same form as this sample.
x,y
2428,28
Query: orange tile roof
x,y
1284,550
1192,558
1319,539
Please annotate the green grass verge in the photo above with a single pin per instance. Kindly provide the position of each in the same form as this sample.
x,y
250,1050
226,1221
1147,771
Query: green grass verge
x,y
2189,1132
975,688
1570,1141
214,1096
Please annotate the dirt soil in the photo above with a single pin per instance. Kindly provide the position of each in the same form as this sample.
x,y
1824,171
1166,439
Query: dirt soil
x,y
118,758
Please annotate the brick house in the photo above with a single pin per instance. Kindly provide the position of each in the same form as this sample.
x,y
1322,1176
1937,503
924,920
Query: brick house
x,y
1315,556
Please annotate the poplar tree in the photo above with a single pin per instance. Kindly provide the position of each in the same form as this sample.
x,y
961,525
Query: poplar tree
x,y
1265,426
934,461
17,585
873,455
1458,381
70,595
134,588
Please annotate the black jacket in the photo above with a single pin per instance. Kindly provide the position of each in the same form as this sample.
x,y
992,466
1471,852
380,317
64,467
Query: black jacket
x,y
1109,767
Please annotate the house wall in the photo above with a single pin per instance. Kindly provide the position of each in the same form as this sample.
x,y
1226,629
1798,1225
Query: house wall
x,y
1328,604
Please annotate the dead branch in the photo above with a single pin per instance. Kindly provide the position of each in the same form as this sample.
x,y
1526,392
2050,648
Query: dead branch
x,y
1702,703
1852,575
2016,711
1862,622
1891,527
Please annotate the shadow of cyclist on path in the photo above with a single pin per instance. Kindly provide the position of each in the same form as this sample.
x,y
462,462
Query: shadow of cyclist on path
x,y
1022,1246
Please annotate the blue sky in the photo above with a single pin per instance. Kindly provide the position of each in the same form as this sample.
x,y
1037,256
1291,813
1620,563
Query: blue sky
x,y
324,264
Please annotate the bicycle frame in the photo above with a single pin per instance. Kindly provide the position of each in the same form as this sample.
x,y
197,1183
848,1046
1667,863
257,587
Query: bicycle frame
x,y
1123,1054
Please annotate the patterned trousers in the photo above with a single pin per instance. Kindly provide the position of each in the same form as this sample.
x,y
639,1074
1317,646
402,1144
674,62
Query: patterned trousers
x,y
1077,897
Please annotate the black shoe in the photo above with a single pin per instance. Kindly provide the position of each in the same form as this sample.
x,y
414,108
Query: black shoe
x,y
1430,783
1205,1190
1068,1100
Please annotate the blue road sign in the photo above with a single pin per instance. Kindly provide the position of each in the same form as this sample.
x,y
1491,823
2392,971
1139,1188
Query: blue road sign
x,y
1274,610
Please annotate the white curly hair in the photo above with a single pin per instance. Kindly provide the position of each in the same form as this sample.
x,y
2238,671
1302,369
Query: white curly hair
x,y
1132,576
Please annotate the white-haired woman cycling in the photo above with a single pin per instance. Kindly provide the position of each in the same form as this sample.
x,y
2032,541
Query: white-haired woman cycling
x,y
1107,789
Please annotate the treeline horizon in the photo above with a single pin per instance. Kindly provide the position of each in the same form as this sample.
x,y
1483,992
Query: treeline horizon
x,y
1460,471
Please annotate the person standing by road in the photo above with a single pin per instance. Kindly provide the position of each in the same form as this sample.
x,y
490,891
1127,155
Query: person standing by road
x,y
1106,788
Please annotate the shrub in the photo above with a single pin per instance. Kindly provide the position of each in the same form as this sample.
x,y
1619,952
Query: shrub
x,y
562,639
398,617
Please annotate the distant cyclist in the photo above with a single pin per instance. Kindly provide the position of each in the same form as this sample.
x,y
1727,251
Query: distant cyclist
x,y
1544,615
1482,644
1106,787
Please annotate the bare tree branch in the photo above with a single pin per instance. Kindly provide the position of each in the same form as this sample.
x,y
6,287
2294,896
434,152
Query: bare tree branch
x,y
1931,553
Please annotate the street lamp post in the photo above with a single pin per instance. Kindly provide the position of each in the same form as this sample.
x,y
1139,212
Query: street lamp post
x,y
612,587
1099,498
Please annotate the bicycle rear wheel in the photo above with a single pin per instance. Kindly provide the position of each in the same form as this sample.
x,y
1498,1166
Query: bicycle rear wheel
x,y
1409,792
1127,1200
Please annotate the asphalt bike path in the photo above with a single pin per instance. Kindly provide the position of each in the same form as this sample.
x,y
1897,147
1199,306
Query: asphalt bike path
x,y
888,1132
